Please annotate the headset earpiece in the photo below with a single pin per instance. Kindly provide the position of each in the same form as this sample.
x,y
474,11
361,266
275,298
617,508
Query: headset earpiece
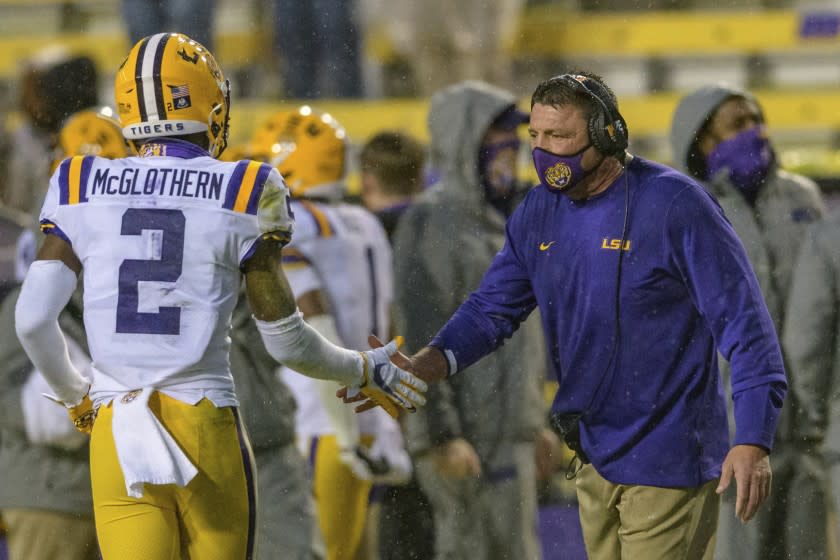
x,y
597,133
607,128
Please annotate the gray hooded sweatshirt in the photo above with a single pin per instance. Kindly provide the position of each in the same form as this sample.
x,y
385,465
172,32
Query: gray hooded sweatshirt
x,y
266,403
37,476
443,245
811,337
771,230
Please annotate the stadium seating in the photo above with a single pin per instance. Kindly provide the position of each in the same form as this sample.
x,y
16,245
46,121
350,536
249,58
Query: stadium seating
x,y
649,57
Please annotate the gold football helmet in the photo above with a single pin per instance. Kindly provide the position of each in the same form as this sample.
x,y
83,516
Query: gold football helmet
x,y
236,152
308,148
91,132
170,85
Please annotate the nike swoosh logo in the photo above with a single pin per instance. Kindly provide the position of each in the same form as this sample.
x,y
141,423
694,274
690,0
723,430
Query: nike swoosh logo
x,y
545,246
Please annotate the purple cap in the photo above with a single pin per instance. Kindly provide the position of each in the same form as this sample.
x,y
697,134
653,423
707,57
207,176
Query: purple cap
x,y
511,118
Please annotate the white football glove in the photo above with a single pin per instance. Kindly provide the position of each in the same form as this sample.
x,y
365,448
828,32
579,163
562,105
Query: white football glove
x,y
386,384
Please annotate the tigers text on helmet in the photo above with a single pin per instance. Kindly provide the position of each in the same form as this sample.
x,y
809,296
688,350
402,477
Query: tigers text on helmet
x,y
308,148
91,132
170,85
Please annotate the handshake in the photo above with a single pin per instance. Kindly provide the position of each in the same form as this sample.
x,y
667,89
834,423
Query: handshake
x,y
386,381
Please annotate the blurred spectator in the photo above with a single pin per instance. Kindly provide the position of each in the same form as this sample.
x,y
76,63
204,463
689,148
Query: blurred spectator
x,y
54,85
810,339
193,18
392,175
461,40
319,45
718,136
45,497
16,248
474,442
5,149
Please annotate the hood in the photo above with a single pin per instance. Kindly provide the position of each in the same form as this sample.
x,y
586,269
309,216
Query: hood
x,y
692,112
459,115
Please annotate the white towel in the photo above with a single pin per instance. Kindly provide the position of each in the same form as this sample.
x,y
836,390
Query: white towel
x,y
146,451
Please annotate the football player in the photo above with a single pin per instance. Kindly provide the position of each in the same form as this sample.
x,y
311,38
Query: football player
x,y
339,268
161,240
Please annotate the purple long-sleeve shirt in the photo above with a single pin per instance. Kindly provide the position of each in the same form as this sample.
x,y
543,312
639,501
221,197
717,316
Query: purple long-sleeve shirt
x,y
655,414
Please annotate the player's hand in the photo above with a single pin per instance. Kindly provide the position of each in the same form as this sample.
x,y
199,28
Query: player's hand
x,y
351,459
457,459
386,381
81,414
750,466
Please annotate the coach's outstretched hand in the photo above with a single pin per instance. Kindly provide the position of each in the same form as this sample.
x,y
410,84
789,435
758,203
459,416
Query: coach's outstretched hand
x,y
386,381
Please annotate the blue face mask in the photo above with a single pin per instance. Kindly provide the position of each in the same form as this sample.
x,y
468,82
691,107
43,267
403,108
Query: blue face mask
x,y
559,173
747,157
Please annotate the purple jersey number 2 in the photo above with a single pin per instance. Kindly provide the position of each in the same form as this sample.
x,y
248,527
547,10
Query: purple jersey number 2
x,y
167,268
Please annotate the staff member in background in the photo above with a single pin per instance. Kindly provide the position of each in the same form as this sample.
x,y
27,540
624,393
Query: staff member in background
x,y
719,137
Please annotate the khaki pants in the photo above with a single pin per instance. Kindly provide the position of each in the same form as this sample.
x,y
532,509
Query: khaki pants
x,y
35,534
630,522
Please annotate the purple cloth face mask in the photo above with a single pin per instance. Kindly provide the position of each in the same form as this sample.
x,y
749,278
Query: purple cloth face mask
x,y
559,173
497,168
748,156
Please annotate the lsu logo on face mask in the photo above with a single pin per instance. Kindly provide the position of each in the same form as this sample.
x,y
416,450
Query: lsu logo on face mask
x,y
558,175
615,244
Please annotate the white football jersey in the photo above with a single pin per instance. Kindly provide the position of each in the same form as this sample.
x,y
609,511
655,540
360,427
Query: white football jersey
x,y
343,251
161,240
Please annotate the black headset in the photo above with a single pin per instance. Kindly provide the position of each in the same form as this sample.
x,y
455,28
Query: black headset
x,y
607,128
608,133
